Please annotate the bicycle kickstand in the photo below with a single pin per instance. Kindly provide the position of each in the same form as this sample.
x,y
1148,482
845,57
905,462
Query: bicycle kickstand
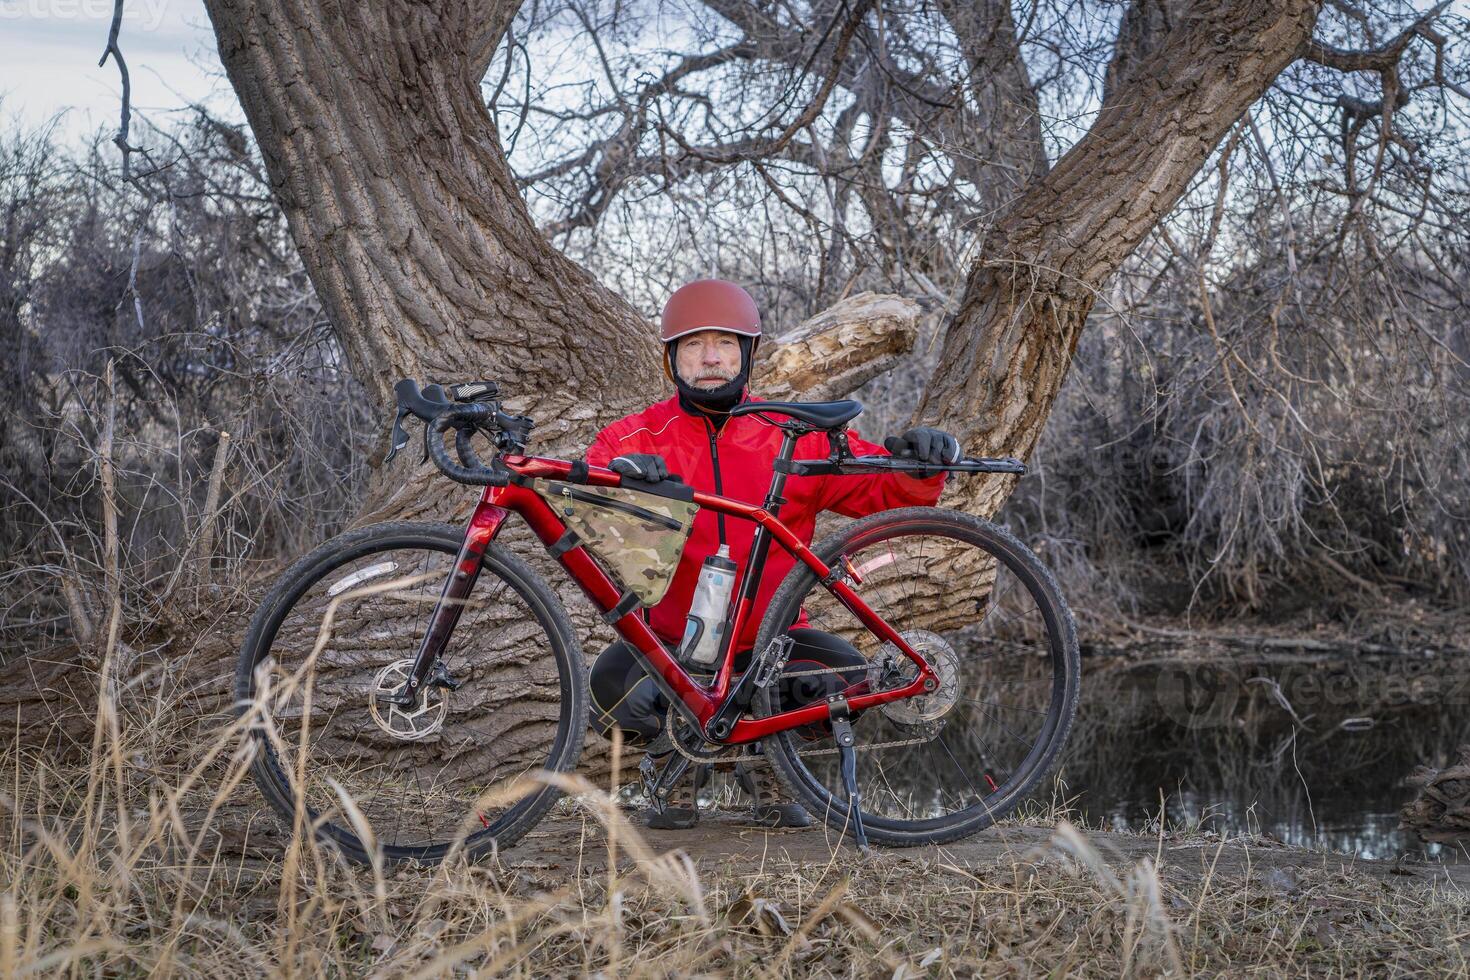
x,y
847,753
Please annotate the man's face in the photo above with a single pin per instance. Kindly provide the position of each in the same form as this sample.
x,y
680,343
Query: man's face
x,y
707,359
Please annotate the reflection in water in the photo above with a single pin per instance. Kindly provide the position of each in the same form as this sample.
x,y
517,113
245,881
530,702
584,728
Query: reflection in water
x,y
1309,754
1340,823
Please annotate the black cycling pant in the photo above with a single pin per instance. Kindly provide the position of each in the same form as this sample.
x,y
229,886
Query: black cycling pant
x,y
624,697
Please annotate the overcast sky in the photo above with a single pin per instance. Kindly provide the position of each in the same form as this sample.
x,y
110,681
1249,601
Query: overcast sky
x,y
49,51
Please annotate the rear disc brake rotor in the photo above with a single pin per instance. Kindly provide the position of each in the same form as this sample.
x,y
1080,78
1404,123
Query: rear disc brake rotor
x,y
406,724
892,669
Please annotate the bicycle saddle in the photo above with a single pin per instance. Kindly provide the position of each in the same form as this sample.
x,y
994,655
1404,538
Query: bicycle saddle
x,y
823,415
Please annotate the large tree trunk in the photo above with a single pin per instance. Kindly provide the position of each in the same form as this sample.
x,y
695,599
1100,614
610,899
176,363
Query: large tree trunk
x,y
1007,351
388,166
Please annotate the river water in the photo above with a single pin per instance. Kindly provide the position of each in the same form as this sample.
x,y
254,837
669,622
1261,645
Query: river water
x,y
1308,751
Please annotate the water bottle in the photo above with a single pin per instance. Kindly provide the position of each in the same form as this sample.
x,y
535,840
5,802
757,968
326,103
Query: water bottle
x,y
704,633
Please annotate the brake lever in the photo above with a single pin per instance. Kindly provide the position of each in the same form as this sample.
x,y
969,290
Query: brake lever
x,y
400,435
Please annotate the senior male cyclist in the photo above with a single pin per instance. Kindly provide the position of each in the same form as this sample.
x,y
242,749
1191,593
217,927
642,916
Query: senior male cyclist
x,y
710,330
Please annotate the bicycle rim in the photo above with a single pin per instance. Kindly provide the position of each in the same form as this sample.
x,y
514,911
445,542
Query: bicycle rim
x,y
342,628
981,608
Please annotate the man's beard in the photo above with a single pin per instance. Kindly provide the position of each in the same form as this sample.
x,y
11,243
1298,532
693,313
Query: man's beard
x,y
710,380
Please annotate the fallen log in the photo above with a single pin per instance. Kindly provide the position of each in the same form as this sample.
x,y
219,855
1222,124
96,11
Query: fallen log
x,y
1440,814
839,349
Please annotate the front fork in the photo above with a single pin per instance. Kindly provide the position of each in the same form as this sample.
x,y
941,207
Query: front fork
x,y
428,669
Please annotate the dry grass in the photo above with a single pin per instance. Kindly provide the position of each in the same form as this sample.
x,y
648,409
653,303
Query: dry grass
x,y
126,863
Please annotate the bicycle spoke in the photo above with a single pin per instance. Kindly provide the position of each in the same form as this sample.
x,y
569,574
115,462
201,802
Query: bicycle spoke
x,y
963,771
1007,707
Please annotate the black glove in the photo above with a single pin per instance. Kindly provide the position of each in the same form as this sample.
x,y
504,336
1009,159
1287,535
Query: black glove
x,y
924,444
648,467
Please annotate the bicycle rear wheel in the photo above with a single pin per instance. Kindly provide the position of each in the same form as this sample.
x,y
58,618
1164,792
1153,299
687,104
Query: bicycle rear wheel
x,y
980,607
341,627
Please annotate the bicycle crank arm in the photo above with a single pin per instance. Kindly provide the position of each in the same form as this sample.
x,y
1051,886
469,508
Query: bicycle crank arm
x,y
760,673
658,786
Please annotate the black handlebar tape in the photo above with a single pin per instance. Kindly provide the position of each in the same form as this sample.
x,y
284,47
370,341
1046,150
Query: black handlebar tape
x,y
466,450
469,470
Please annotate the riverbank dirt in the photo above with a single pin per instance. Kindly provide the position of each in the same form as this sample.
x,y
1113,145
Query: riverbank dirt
x,y
729,899
130,867
723,843
200,879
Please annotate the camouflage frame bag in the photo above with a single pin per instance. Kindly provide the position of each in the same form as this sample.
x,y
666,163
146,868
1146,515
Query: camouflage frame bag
x,y
638,536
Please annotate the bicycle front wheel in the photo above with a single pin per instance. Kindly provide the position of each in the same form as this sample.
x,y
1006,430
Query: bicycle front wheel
x,y
341,628
987,614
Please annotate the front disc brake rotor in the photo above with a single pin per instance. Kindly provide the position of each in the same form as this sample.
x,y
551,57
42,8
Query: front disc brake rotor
x,y
411,724
892,669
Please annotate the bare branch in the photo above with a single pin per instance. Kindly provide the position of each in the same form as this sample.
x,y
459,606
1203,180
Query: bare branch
x,y
809,114
1379,59
121,139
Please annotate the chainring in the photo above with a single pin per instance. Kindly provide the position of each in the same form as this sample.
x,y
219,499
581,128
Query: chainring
x,y
890,669
690,744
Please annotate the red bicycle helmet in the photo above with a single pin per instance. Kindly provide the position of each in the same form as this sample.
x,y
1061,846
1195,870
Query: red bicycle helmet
x,y
709,304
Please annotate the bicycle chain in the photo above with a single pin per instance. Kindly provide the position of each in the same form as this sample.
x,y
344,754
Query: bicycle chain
x,y
673,718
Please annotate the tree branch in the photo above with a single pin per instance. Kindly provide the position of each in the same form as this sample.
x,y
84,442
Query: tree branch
x,y
121,139
813,109
840,348
1379,59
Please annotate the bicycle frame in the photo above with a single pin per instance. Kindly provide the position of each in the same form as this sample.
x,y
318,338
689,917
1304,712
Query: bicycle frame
x,y
707,707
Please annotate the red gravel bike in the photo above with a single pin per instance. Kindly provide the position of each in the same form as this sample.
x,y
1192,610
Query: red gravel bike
x,y
404,678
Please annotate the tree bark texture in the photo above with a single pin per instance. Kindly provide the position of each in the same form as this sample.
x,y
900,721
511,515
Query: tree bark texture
x,y
1440,812
837,350
390,171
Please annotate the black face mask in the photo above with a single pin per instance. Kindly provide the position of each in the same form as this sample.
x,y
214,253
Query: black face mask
x,y
702,401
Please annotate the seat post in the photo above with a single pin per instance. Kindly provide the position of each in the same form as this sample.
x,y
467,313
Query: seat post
x,y
774,500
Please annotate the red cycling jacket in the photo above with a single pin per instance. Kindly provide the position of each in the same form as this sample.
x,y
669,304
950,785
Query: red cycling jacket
x,y
735,462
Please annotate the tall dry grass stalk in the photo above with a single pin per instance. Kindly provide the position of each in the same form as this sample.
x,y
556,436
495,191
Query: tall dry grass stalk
x,y
153,856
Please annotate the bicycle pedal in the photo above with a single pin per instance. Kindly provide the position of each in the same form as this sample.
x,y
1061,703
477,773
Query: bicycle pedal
x,y
659,780
773,660
648,775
